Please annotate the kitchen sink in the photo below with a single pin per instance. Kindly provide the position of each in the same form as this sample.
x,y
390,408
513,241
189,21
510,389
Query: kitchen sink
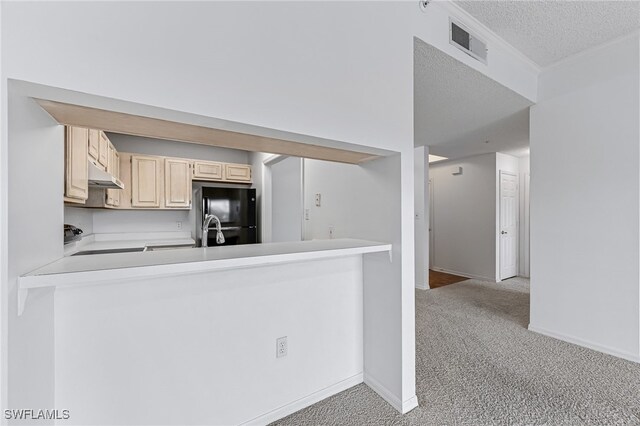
x,y
169,247
106,251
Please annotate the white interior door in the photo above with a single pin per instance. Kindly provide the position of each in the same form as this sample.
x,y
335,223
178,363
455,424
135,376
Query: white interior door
x,y
508,224
286,200
432,253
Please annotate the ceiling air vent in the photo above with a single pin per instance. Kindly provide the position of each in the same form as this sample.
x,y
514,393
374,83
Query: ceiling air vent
x,y
469,44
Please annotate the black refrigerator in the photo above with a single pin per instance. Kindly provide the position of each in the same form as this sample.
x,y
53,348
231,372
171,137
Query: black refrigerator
x,y
236,209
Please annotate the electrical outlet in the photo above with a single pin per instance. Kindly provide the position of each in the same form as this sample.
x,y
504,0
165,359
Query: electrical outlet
x,y
281,347
306,214
179,225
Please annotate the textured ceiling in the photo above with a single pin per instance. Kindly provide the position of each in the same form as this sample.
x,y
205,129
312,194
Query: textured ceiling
x,y
548,31
458,108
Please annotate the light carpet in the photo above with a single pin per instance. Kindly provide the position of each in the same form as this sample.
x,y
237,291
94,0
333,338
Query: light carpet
x,y
477,364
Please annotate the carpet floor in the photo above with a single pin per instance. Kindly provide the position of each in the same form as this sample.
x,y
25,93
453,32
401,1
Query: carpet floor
x,y
477,364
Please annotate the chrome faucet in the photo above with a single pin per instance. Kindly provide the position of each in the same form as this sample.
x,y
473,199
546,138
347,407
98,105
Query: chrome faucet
x,y
205,230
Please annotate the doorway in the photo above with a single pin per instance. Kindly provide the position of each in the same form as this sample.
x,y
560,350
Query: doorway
x,y
508,237
287,199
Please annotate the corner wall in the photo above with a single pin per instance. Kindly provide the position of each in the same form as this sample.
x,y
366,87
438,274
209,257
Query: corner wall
x,y
35,212
585,194
464,216
421,211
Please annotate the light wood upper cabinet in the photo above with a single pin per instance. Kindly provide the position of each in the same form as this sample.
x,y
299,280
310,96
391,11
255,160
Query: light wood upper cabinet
x,y
208,170
103,150
177,183
146,180
76,188
113,195
237,173
94,146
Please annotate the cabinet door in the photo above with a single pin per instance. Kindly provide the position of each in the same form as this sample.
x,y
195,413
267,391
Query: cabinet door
x,y
208,170
94,145
103,148
237,172
146,178
177,183
113,195
76,167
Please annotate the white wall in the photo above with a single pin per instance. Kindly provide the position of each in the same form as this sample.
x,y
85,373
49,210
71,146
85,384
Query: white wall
x,y
421,203
361,202
524,216
207,64
286,199
584,200
161,351
80,218
168,148
113,221
34,203
464,210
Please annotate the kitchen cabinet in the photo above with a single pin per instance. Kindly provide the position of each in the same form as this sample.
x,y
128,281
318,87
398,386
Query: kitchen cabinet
x,y
94,147
76,187
112,197
146,181
177,183
221,172
237,173
103,150
208,170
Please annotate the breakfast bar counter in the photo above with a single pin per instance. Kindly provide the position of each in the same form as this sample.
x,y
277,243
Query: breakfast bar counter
x,y
122,267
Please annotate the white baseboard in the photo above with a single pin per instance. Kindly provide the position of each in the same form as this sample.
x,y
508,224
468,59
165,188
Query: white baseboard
x,y
464,274
387,395
306,401
422,286
585,343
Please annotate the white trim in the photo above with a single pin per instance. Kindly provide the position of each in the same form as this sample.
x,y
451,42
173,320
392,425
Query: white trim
x,y
409,404
485,33
585,343
464,274
387,395
422,286
588,51
304,402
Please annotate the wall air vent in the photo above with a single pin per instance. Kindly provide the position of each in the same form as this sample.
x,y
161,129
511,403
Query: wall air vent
x,y
468,43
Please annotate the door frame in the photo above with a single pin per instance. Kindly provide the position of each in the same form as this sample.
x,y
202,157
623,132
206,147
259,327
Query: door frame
x,y
267,196
499,224
432,246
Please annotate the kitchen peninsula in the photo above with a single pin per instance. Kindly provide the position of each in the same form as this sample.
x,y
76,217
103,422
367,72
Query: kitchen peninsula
x,y
205,318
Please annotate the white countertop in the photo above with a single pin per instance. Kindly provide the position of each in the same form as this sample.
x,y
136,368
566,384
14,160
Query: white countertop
x,y
128,240
100,268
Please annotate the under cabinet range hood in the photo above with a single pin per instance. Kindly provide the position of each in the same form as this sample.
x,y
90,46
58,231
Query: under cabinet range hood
x,y
100,178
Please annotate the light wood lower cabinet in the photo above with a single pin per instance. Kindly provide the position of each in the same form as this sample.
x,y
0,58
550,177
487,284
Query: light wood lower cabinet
x,y
76,187
146,180
177,183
